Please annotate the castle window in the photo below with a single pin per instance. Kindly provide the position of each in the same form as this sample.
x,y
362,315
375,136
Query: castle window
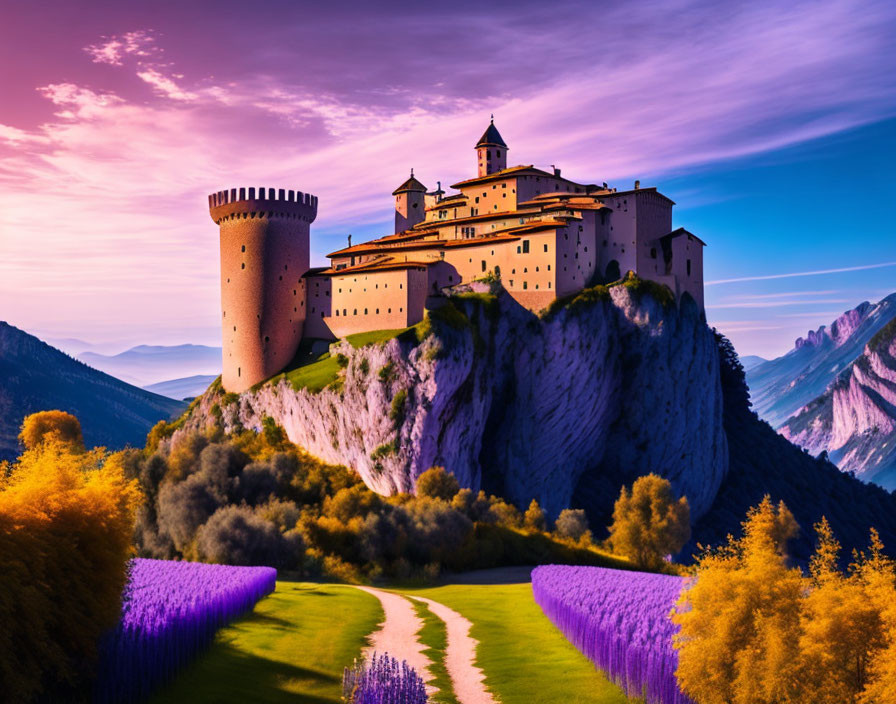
x,y
337,312
244,248
400,285
390,310
377,311
549,284
243,265
503,185
536,268
483,264
536,287
355,311
239,371
344,311
549,267
281,278
401,310
525,246
365,311
511,283
525,285
267,339
497,152
545,248
525,270
293,292
518,250
513,271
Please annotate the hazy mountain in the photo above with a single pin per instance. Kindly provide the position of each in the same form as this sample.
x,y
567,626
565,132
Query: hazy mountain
x,y
189,387
151,364
854,420
781,387
37,377
751,360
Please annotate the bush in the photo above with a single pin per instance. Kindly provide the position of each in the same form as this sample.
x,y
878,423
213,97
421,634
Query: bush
x,y
235,535
572,524
534,518
66,521
437,483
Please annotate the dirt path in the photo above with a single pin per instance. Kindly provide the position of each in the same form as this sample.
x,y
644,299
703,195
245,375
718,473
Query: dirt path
x,y
460,656
397,635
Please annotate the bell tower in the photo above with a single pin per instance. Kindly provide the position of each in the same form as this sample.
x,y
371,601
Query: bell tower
x,y
491,151
410,204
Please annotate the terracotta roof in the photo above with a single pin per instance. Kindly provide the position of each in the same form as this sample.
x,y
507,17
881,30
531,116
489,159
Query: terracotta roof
x,y
491,137
503,173
390,265
412,184
611,194
679,232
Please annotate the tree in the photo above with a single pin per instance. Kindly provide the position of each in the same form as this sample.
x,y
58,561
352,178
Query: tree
x,y
437,483
649,522
66,522
44,426
572,523
534,518
740,619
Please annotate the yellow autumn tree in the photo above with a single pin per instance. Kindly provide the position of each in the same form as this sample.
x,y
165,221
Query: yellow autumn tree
x,y
841,627
649,522
739,620
58,426
877,574
66,520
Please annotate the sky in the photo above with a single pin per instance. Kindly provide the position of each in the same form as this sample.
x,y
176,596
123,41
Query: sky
x,y
771,124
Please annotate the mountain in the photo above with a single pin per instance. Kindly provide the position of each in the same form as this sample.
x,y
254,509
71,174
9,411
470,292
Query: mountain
x,y
751,360
182,389
37,377
854,420
151,364
782,386
762,462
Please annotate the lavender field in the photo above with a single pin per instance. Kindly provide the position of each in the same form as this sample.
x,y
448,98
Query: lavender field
x,y
170,612
620,621
383,680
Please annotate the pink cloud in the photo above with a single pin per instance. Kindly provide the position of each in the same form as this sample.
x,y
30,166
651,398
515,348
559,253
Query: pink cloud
x,y
112,50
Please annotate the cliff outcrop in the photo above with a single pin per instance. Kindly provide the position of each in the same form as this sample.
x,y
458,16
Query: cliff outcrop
x,y
608,385
854,420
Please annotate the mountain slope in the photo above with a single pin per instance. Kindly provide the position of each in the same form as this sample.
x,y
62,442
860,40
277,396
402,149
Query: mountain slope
x,y
152,364
180,389
854,420
780,387
37,377
764,462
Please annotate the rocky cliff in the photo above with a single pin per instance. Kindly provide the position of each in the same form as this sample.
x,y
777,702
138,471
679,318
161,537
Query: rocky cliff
x,y
609,385
854,420
780,387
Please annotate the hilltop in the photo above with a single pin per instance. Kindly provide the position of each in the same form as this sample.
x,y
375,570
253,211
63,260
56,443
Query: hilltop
x,y
37,377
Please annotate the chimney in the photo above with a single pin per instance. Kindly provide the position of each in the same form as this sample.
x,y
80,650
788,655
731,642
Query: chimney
x,y
556,170
637,185
349,240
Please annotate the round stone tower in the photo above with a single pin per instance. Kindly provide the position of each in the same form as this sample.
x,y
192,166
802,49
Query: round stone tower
x,y
264,252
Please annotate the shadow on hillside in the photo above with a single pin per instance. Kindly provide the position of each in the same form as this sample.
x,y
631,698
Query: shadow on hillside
x,y
228,675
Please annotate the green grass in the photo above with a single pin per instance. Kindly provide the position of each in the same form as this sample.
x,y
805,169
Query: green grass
x,y
291,648
526,660
373,337
435,638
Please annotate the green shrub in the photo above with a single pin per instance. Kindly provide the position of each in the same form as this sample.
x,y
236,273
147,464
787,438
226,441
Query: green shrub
x,y
385,450
387,372
364,367
396,413
342,360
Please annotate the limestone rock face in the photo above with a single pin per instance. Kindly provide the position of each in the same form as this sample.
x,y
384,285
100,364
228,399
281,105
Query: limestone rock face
x,y
596,393
854,420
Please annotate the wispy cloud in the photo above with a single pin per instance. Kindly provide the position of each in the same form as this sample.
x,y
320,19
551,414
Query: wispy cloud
x,y
777,304
140,44
795,274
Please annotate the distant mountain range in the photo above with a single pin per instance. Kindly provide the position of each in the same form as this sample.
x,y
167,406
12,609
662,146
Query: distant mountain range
x,y
146,365
751,360
180,389
35,377
835,391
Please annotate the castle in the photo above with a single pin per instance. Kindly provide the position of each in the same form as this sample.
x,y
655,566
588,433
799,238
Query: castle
x,y
543,235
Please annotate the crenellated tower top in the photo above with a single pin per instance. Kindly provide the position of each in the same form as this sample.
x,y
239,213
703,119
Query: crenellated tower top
x,y
262,202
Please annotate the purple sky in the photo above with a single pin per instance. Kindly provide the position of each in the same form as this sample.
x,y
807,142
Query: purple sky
x,y
117,121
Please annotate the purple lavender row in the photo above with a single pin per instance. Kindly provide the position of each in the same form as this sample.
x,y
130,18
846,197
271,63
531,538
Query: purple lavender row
x,y
383,680
620,621
170,612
